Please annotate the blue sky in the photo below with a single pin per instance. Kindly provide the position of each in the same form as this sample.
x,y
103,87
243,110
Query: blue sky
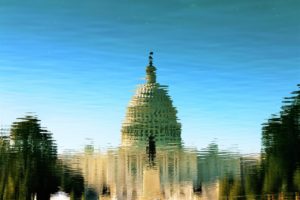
x,y
76,64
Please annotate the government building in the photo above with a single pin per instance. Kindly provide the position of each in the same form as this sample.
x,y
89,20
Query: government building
x,y
151,113
151,162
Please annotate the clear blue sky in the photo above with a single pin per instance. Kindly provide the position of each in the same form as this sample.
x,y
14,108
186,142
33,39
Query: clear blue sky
x,y
76,64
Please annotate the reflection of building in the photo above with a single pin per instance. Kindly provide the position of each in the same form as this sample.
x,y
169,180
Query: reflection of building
x,y
151,112
125,173
129,172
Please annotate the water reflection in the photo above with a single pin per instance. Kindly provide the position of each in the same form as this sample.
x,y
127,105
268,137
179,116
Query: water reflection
x,y
29,165
170,172
151,114
152,163
140,173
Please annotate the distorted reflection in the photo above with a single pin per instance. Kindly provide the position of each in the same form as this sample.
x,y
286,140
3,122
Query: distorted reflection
x,y
29,165
134,173
151,162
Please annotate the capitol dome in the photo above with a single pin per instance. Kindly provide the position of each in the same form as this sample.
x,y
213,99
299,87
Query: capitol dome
x,y
151,114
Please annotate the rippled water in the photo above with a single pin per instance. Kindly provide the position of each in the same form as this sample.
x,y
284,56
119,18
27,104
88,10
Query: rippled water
x,y
151,169
67,72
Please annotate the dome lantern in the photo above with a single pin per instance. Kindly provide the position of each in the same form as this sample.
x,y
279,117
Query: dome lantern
x,y
151,70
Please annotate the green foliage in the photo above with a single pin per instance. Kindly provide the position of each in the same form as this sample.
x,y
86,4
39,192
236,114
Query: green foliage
x,y
31,158
72,182
29,165
297,180
225,187
281,147
230,188
253,181
279,172
4,166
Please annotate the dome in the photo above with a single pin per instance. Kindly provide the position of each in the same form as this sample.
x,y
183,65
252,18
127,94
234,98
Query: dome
x,y
151,113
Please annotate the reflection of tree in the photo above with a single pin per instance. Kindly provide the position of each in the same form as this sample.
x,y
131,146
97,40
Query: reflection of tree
x,y
28,163
297,180
4,165
230,187
281,147
32,160
279,171
252,180
71,182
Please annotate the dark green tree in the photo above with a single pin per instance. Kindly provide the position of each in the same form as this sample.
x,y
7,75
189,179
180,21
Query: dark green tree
x,y
72,182
4,165
281,148
33,155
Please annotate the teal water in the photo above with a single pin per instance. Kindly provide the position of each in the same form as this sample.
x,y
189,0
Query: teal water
x,y
227,64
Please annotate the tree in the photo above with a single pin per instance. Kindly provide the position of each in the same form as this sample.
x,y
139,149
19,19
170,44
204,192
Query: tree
x,y
34,159
281,147
4,165
72,182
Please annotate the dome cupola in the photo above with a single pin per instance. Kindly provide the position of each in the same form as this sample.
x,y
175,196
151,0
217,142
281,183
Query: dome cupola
x,y
151,113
